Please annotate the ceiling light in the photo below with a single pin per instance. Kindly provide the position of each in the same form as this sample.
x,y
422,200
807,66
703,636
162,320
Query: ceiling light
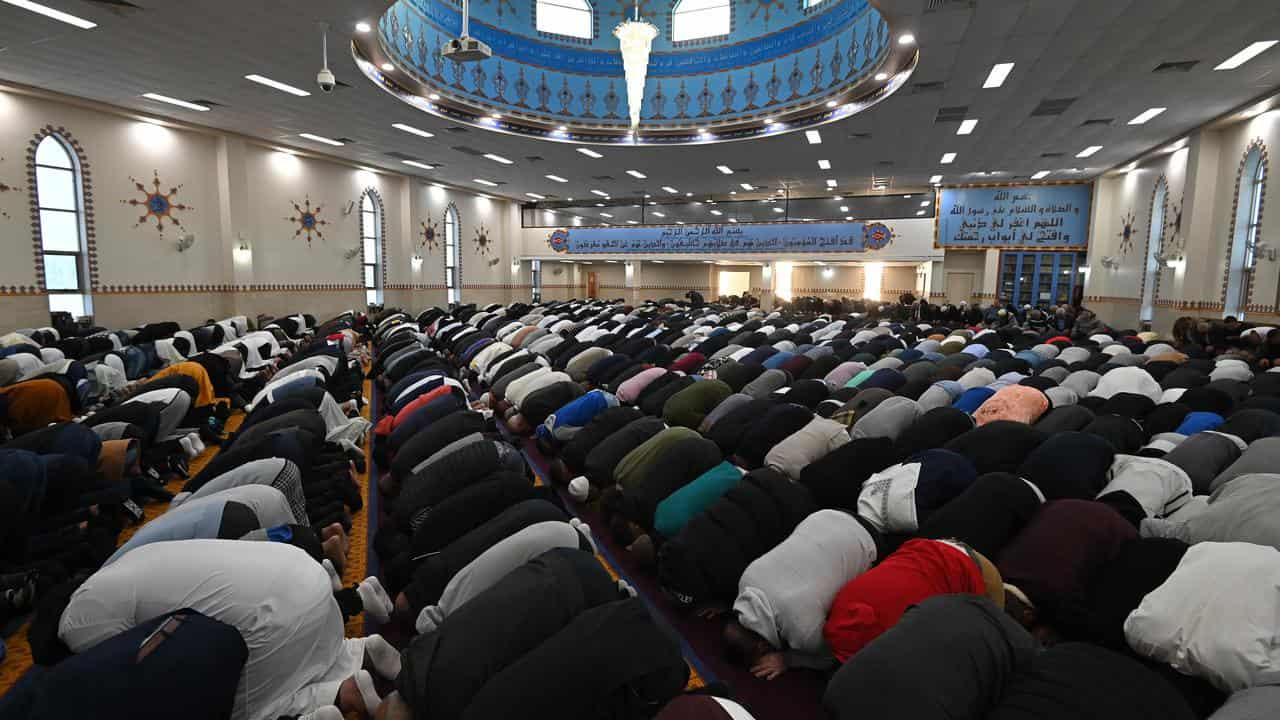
x,y
536,196
282,87
747,186
569,199
777,209
906,39
999,73
678,222
53,14
605,215
733,192
601,193
919,212
482,181
769,121
813,136
433,96
174,101
733,220
831,183
1040,175
1147,115
496,116
655,213
1089,151
671,190
363,27
702,131
629,222
563,128
848,217
725,169
647,196
387,67
935,179
925,203
590,153
555,178
1239,58
320,139
967,126
637,174
844,208
412,130
831,103
906,197
824,164
417,164
716,212
499,159
688,194
599,204
881,77
948,158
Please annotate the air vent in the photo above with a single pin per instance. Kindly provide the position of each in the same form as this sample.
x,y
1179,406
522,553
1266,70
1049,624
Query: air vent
x,y
885,163
859,136
955,113
1055,106
469,151
534,158
402,156
207,103
345,140
1052,155
455,129
926,87
603,178
936,5
116,4
1097,121
1179,66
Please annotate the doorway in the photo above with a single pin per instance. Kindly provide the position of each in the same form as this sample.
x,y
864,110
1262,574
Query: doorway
x,y
959,287
734,283
592,285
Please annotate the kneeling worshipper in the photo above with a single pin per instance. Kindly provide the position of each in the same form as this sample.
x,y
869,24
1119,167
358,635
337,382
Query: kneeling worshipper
x,y
873,602
1245,509
279,599
784,596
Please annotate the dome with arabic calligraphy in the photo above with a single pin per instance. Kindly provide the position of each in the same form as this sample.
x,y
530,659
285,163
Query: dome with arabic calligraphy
x,y
783,65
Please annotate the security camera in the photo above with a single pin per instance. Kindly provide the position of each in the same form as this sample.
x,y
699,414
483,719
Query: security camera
x,y
326,80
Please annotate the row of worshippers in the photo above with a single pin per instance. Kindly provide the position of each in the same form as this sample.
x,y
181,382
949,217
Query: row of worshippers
x,y
263,525
902,462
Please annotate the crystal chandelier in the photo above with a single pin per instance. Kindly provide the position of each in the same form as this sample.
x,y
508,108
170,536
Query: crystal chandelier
x,y
635,37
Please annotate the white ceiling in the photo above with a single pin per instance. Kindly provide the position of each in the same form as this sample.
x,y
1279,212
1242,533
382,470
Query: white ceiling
x,y
1101,52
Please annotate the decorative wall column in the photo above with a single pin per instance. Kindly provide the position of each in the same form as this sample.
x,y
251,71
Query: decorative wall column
x,y
1202,275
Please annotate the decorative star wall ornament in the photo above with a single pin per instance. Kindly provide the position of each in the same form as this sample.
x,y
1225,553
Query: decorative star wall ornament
x,y
626,8
483,246
308,219
157,204
430,236
509,5
767,7
1175,227
1126,232
6,188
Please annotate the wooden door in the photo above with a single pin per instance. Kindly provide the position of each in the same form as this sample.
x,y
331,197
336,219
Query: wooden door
x,y
592,286
959,287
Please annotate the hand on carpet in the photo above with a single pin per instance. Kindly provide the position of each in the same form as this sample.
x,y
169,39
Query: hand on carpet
x,y
770,666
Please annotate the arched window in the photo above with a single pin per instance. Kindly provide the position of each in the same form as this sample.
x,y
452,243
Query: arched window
x,y
1248,225
371,245
1155,239
697,19
565,17
60,203
452,255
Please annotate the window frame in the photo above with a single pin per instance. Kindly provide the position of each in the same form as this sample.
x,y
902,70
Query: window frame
x,y
675,22
373,293
80,256
453,255
535,277
557,29
1246,229
1155,239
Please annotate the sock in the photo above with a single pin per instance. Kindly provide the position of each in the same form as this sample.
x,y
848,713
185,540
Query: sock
x,y
187,447
196,443
335,580
376,601
364,682
385,658
579,488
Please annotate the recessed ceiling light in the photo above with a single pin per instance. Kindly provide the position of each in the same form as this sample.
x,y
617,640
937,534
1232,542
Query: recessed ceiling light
x,y
906,197
482,181
655,213
697,202
881,77
1040,175
935,179
919,212
831,103
276,84
590,153
600,193
599,204
716,212
536,196
702,131
605,215
733,220
906,39
363,27
848,217
813,136
433,96
49,12
417,164
1147,115
725,169
837,198
555,178
688,194
967,126
413,130
387,67
660,261
499,159
948,158
747,186
320,139
844,208
1089,151
671,190
629,222
174,101
999,73
733,192
831,183
637,174
769,121
777,209
1246,55
678,222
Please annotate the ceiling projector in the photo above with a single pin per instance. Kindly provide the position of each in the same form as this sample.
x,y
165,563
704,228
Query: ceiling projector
x,y
466,49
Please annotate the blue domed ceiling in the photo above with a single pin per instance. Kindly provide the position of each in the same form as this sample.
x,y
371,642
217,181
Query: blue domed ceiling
x,y
782,67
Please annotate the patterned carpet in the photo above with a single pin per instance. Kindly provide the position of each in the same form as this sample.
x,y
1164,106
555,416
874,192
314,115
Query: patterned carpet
x,y
18,660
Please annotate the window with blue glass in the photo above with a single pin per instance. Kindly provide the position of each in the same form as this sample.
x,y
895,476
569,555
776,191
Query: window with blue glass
x,y
1039,278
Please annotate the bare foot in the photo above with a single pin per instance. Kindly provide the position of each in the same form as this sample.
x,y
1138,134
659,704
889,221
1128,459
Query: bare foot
x,y
333,551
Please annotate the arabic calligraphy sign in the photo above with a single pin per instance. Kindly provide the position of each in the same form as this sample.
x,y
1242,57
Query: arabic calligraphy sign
x,y
852,237
1032,217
